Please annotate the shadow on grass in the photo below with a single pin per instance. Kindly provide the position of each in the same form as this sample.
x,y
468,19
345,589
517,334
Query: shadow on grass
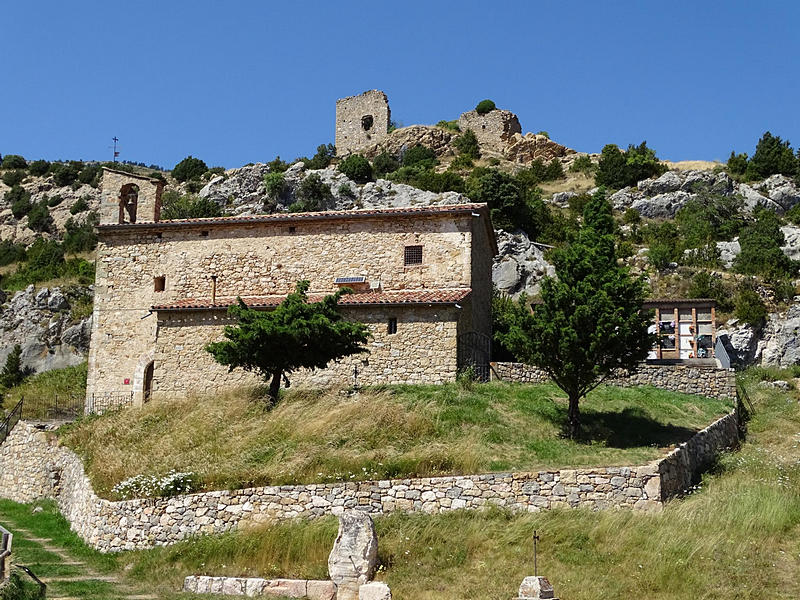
x,y
629,428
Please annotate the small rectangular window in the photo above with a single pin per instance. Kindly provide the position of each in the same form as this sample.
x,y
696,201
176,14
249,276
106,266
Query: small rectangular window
x,y
392,326
159,284
158,235
413,255
292,229
203,234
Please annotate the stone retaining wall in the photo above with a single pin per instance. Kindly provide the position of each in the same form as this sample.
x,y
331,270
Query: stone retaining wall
x,y
703,381
33,465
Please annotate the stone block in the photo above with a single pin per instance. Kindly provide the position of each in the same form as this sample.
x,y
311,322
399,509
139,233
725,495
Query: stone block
x,y
289,588
320,590
536,588
355,551
374,591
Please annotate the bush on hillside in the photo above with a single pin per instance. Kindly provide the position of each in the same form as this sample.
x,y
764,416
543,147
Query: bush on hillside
x,y
20,201
64,174
14,373
419,156
79,206
467,144
618,169
325,154
663,245
80,236
357,168
706,285
276,188
449,125
772,156
54,200
384,163
13,161
583,164
312,195
11,252
761,253
175,206
90,175
485,106
276,165
737,163
39,218
189,168
710,218
748,306
39,168
12,178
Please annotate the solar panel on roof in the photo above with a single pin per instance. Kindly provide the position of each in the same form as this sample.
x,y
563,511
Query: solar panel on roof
x,y
340,280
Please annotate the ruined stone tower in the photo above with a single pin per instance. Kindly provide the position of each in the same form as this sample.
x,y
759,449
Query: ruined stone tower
x,y
494,130
361,121
128,198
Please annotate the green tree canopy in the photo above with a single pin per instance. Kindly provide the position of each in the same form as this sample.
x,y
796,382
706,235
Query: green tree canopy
x,y
590,321
189,168
761,252
297,334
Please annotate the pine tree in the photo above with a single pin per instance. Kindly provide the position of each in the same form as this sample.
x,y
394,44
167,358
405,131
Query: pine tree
x,y
590,321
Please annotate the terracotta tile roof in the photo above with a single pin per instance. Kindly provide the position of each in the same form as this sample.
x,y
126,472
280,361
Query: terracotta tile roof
x,y
386,298
329,215
678,302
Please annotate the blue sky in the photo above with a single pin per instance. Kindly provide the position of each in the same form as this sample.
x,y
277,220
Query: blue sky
x,y
237,82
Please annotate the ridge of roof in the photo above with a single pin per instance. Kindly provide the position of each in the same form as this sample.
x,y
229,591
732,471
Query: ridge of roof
x,y
383,298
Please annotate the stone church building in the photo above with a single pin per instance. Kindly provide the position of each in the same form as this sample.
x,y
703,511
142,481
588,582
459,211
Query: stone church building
x,y
421,276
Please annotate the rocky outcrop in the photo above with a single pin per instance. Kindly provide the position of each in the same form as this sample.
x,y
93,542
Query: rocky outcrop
x,y
740,341
400,140
520,265
530,147
663,197
237,188
41,323
780,341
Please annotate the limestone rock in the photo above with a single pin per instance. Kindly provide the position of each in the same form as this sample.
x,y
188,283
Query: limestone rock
x,y
530,147
661,206
780,344
740,341
781,190
239,187
624,198
752,199
728,251
374,591
792,246
536,588
668,182
355,551
520,264
57,301
400,140
561,199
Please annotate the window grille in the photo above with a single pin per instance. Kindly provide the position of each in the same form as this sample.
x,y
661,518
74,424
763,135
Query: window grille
x,y
413,255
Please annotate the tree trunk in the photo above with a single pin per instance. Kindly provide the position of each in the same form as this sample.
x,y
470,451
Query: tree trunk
x,y
574,416
274,388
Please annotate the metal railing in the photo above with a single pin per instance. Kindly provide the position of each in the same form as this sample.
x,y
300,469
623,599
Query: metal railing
x,y
12,419
100,403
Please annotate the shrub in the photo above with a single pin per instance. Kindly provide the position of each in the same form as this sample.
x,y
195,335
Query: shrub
x,y
631,216
357,168
90,174
80,205
439,182
772,156
276,165
175,206
64,174
461,161
13,161
157,175
749,308
312,195
706,285
39,168
625,249
20,201
618,169
663,245
150,486
44,260
12,178
761,252
80,236
54,200
449,125
39,218
189,168
346,191
419,155
710,217
484,107
467,144
554,171
737,163
11,252
323,157
384,163
583,164
13,372
544,133
275,186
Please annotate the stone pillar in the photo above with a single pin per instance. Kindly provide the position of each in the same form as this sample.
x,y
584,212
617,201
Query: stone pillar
x,y
355,554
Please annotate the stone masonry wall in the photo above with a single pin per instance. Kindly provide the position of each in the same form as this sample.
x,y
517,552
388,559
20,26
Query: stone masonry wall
x,y
35,467
252,260
494,130
703,381
423,350
361,121
149,202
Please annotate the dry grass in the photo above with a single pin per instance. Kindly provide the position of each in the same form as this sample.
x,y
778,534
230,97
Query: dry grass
x,y
694,165
574,182
231,441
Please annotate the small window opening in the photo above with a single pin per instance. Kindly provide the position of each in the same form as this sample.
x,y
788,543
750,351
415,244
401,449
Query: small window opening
x,y
204,234
159,283
292,229
366,122
413,255
158,235
391,328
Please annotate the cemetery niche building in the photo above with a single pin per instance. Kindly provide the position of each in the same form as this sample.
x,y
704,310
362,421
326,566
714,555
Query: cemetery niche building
x,y
421,278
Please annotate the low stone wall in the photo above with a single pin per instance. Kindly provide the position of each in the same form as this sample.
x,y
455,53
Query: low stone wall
x,y
703,381
33,466
256,586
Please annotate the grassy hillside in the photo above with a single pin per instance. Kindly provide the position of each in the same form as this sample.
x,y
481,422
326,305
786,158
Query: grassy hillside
x,y
737,536
231,441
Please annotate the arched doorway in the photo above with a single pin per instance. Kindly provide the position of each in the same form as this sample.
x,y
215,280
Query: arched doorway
x,y
148,382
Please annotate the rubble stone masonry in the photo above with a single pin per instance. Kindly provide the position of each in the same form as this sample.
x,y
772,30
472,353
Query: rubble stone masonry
x,y
34,466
